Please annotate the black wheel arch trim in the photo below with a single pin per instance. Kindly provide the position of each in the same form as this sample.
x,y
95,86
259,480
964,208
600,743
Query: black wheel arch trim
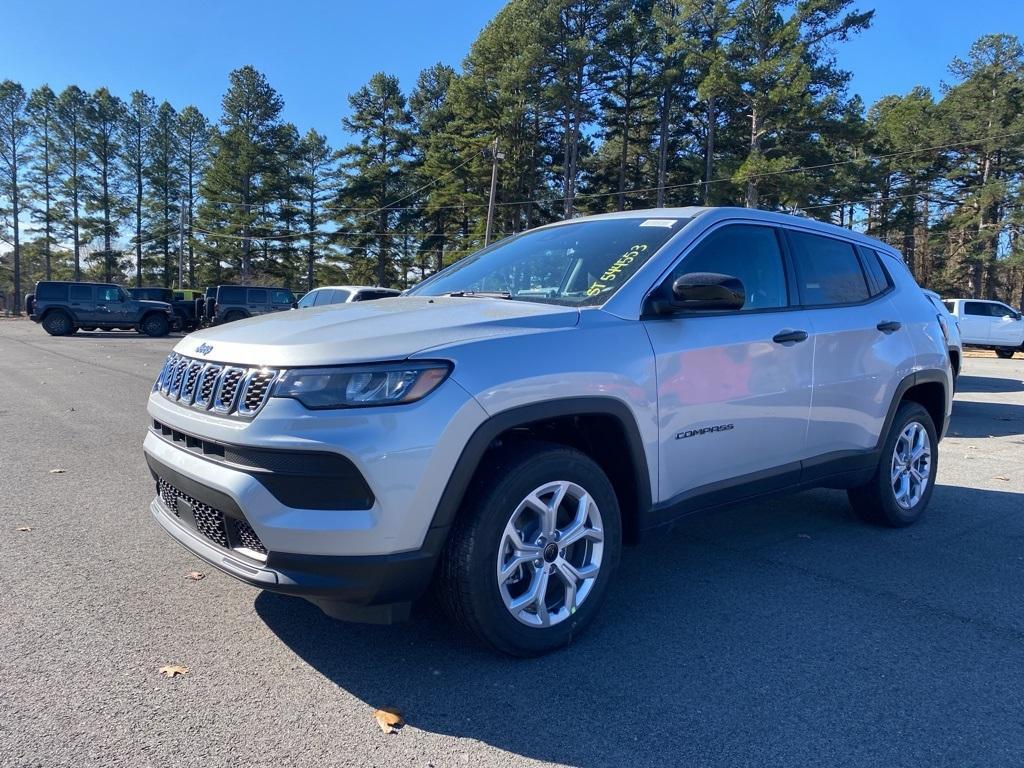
x,y
927,376
521,416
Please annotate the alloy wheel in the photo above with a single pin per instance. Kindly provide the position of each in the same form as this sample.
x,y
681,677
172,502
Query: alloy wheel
x,y
911,465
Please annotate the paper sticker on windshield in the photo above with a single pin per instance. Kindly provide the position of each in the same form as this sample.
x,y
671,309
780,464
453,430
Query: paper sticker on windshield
x,y
659,223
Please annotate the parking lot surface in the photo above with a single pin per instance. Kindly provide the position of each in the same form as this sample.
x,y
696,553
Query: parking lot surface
x,y
783,633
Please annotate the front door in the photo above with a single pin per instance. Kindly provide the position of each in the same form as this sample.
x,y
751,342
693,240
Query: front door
x,y
111,306
1007,328
734,388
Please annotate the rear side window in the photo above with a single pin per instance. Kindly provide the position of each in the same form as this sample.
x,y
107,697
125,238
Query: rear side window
x,y
874,270
52,291
281,297
81,293
372,295
827,270
748,252
257,295
231,295
977,308
335,296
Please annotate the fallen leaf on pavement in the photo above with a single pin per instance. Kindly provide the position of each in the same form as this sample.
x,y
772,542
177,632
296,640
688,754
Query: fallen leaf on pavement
x,y
1002,477
24,528
173,670
57,471
195,575
388,719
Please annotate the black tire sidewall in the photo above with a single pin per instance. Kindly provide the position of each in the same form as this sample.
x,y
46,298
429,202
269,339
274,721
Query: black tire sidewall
x,y
892,512
520,471
50,318
154,326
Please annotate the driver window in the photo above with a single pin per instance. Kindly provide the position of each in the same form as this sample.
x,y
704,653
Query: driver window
x,y
748,252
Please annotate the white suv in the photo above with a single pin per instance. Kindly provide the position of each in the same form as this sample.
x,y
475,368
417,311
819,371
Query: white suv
x,y
988,324
502,429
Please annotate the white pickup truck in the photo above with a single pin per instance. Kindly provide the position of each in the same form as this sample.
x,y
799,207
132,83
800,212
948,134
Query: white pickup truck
x,y
988,324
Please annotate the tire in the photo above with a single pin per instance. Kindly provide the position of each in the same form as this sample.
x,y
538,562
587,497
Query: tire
x,y
233,316
58,323
469,585
877,500
1005,353
154,325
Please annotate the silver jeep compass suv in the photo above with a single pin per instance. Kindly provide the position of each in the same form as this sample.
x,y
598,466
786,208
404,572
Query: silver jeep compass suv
x,y
503,428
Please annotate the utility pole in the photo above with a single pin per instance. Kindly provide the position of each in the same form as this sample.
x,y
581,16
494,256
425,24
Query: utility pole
x,y
181,244
495,157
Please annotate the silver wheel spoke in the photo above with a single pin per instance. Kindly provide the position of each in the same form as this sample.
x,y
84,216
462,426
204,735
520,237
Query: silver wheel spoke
x,y
569,581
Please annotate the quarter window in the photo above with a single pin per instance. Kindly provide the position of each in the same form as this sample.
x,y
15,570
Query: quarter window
x,y
878,278
828,271
748,252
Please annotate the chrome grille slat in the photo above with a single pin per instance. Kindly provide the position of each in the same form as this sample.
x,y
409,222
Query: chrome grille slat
x,y
227,390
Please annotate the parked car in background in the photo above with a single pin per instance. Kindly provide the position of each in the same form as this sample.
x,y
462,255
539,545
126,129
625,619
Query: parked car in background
x,y
237,302
345,294
503,427
951,330
184,310
65,307
989,325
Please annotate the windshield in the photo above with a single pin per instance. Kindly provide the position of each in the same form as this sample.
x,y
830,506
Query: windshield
x,y
582,263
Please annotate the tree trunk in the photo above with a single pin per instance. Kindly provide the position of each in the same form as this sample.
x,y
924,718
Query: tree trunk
x,y
753,190
666,105
709,150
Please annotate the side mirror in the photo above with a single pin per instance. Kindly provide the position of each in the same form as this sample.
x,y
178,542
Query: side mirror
x,y
295,305
703,292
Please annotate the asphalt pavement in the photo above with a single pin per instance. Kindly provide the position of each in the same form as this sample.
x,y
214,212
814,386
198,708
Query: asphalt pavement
x,y
783,633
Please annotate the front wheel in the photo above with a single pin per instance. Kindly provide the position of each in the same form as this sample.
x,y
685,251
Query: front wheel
x,y
155,325
532,553
899,491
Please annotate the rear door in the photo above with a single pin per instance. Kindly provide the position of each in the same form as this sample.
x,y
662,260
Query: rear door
x,y
860,344
734,388
257,301
975,323
83,307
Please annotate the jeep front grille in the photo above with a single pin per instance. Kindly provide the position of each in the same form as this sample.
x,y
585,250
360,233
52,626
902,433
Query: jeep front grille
x,y
224,531
223,389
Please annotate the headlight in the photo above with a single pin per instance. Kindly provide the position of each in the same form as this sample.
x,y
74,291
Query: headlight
x,y
361,386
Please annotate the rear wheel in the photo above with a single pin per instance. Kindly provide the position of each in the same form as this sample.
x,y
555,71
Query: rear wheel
x,y
58,323
1005,353
901,487
531,556
233,316
154,325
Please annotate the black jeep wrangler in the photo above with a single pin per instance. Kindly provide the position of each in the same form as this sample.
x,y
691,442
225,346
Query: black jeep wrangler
x,y
64,307
237,302
184,310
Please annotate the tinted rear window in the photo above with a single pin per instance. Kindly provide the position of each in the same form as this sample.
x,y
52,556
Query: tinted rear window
x,y
81,293
52,291
231,295
976,308
257,295
828,271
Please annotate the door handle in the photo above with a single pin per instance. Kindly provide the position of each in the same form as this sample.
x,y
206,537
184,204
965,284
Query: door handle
x,y
889,326
789,337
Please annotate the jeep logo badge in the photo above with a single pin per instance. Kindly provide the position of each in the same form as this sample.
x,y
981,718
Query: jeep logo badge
x,y
204,349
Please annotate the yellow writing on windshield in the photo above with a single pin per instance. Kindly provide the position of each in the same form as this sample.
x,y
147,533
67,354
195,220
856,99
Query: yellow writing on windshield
x,y
612,273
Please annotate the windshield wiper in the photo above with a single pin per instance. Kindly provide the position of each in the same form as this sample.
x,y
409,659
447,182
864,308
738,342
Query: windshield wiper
x,y
480,294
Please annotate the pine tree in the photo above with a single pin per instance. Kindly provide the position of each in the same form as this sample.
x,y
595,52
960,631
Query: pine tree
x,y
104,114
164,177
194,137
14,145
42,175
137,124
785,77
244,150
316,176
375,173
72,135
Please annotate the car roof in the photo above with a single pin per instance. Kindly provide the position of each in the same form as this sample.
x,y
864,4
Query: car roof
x,y
719,213
353,288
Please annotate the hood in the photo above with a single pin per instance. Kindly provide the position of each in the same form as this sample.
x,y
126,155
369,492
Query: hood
x,y
388,329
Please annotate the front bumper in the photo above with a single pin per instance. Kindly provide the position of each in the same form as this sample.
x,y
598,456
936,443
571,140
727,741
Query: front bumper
x,y
371,588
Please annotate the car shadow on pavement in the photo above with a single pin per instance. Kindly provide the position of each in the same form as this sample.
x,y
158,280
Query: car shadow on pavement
x,y
973,418
965,383
781,633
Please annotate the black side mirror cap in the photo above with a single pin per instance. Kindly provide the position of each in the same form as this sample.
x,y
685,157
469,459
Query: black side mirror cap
x,y
703,292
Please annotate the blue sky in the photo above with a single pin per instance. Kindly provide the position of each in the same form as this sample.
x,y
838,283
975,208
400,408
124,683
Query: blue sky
x,y
316,52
